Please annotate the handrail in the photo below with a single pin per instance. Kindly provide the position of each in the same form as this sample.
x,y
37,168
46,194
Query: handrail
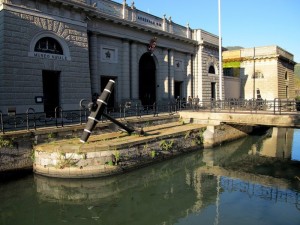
x,y
84,108
61,116
27,118
1,121
37,119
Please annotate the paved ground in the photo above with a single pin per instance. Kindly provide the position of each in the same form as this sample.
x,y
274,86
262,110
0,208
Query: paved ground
x,y
117,140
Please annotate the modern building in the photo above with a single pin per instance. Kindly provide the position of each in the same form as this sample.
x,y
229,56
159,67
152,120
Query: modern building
x,y
297,79
56,53
266,72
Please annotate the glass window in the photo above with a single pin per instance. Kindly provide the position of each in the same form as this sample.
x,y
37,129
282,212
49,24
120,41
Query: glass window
x,y
231,72
228,72
211,70
48,45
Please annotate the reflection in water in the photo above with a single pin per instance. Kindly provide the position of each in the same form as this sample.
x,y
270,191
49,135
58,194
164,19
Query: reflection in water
x,y
296,145
276,143
249,181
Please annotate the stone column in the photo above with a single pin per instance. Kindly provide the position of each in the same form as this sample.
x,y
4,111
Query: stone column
x,y
209,136
171,74
134,72
125,78
170,25
133,12
199,74
124,10
189,77
95,79
188,31
164,75
165,24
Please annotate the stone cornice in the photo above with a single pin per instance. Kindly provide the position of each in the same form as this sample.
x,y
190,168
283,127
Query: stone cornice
x,y
37,13
93,13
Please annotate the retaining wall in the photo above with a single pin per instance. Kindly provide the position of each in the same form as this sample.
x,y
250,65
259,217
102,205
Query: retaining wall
x,y
20,156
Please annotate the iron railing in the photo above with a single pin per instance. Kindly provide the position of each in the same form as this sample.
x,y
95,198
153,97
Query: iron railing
x,y
33,120
61,118
276,106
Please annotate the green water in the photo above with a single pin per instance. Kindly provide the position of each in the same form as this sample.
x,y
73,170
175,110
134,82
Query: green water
x,y
249,181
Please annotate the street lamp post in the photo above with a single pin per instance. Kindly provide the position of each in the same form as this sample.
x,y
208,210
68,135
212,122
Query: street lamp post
x,y
254,73
220,52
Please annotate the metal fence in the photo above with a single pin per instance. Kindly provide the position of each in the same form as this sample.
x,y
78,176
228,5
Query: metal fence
x,y
33,120
61,118
276,106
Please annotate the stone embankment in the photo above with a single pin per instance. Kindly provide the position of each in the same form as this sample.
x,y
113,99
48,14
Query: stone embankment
x,y
57,152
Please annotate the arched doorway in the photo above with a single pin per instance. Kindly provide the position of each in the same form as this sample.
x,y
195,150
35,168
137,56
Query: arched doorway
x,y
147,79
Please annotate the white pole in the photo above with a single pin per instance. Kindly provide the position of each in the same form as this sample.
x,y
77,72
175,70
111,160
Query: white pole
x,y
220,52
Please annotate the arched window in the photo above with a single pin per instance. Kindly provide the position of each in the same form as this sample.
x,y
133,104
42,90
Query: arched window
x,y
48,45
286,76
211,70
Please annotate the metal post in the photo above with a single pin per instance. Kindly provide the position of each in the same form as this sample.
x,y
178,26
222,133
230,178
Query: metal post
x,y
254,73
27,118
1,121
82,107
220,52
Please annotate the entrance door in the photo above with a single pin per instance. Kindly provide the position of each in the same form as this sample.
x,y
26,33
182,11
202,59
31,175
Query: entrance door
x,y
147,81
111,100
177,89
50,91
213,90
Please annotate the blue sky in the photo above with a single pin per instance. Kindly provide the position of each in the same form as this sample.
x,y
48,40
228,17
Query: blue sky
x,y
246,23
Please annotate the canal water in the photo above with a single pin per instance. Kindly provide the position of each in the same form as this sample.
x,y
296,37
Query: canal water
x,y
255,180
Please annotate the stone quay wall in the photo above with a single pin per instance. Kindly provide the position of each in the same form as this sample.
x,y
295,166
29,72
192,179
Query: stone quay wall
x,y
20,155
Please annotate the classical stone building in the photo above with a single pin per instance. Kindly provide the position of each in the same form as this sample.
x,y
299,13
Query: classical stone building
x,y
55,53
266,71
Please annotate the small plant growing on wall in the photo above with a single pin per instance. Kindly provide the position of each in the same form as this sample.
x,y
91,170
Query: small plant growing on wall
x,y
145,147
65,161
117,157
181,121
187,134
153,154
199,137
32,155
83,155
6,143
166,145
110,163
51,135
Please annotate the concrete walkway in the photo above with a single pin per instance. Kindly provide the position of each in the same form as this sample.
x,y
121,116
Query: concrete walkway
x,y
253,119
120,139
114,152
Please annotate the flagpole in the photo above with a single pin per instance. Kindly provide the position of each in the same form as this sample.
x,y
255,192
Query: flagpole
x,y
220,52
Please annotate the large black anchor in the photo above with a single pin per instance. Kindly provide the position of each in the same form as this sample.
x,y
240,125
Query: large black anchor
x,y
97,112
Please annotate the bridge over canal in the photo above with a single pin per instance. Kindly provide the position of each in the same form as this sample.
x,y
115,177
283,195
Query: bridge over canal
x,y
287,119
213,119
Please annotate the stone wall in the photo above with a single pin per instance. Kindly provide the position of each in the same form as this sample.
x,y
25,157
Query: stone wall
x,y
18,153
113,161
22,73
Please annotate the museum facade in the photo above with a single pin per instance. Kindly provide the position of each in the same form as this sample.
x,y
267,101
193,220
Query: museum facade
x,y
56,53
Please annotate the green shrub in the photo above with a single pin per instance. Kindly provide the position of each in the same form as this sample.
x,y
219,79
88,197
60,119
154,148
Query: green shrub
x,y
6,143
166,145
